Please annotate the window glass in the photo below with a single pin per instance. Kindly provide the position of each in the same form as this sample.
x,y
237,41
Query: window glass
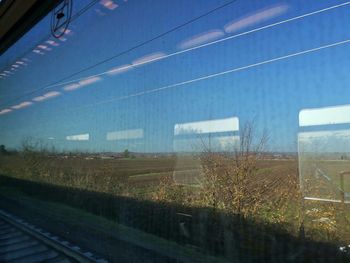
x,y
183,130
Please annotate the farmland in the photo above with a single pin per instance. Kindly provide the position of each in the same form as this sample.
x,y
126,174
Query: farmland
x,y
264,191
140,172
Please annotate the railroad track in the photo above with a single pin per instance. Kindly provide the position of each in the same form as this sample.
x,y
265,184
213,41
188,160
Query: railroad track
x,y
21,242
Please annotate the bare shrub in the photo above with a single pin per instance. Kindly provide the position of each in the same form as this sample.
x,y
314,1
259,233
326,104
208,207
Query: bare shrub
x,y
230,178
168,191
322,221
35,153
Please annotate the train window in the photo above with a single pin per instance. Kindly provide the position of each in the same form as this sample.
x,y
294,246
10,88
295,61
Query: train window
x,y
187,131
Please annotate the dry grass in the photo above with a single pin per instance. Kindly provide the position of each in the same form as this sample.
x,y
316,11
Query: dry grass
x,y
238,183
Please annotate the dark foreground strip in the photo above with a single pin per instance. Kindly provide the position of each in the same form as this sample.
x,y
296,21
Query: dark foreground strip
x,y
23,242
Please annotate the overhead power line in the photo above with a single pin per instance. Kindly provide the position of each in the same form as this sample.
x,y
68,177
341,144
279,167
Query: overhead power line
x,y
204,45
127,50
74,17
182,83
59,83
213,75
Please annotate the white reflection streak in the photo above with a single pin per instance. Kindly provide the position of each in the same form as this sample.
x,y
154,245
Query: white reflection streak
x,y
66,31
221,40
227,72
224,39
325,200
52,94
257,17
148,58
325,116
39,98
47,96
88,81
207,126
201,38
44,47
218,41
22,105
120,69
138,62
78,137
82,83
71,87
109,4
52,43
38,52
4,111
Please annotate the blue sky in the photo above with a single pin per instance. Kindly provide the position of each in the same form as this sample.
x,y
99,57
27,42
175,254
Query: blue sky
x,y
152,96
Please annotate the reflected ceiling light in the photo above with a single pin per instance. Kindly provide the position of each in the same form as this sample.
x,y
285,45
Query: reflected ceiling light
x,y
257,17
4,111
89,81
148,58
71,87
44,47
208,126
38,52
78,137
52,94
325,116
109,4
22,105
66,31
47,96
52,43
118,70
201,39
83,82
39,98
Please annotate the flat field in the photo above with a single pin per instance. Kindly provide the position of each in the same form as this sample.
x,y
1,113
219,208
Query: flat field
x,y
139,171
